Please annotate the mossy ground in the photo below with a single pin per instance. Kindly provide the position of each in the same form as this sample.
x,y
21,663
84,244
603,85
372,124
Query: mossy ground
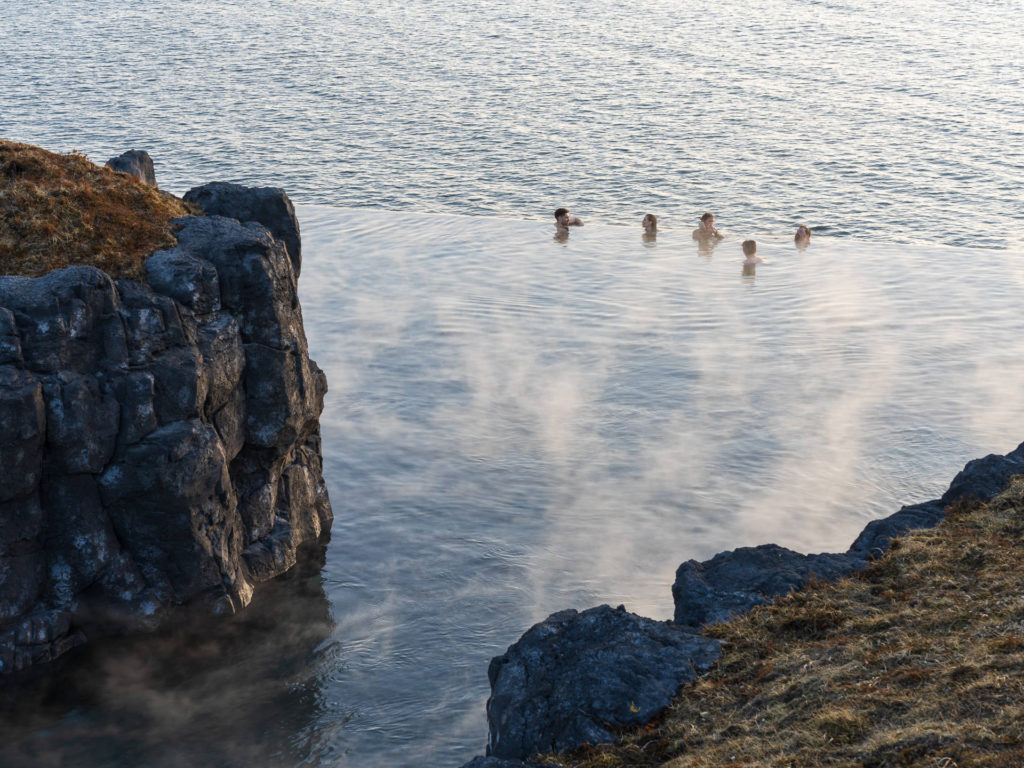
x,y
58,210
917,661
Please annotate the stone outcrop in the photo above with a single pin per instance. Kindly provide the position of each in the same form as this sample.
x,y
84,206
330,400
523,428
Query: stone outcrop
x,y
576,677
159,444
980,480
268,206
135,162
734,582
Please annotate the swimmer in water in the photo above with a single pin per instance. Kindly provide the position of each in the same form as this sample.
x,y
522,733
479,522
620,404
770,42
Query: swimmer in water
x,y
650,225
750,251
802,236
707,230
563,220
752,259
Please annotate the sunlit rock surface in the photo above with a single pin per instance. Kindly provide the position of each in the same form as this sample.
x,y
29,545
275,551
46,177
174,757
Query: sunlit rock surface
x,y
159,445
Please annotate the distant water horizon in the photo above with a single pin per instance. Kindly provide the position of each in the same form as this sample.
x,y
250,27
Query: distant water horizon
x,y
874,121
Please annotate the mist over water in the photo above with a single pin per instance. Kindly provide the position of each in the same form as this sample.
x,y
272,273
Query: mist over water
x,y
880,121
517,425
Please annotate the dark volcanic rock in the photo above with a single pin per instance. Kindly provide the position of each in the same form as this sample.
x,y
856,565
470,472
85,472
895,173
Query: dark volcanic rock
x,y
66,320
874,539
186,279
135,162
22,432
981,479
575,677
268,206
735,581
159,445
497,762
10,343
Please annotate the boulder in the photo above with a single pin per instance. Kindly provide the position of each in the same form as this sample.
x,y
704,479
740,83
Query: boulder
x,y
735,581
979,480
135,162
874,540
982,479
575,677
268,206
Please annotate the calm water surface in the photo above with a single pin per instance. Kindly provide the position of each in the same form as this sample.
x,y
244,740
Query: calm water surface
x,y
517,425
883,121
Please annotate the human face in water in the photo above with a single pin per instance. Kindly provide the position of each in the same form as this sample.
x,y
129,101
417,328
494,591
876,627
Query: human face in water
x,y
563,220
708,224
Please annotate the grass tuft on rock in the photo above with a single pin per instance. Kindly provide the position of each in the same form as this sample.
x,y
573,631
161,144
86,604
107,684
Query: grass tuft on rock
x,y
916,661
61,210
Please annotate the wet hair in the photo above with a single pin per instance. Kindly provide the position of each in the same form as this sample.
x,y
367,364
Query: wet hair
x,y
559,212
707,215
806,231
749,247
652,218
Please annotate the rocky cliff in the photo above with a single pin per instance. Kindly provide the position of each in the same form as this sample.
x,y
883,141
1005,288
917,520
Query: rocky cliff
x,y
159,441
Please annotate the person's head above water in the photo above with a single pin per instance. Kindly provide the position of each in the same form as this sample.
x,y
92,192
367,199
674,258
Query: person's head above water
x,y
650,223
749,248
564,219
707,230
802,233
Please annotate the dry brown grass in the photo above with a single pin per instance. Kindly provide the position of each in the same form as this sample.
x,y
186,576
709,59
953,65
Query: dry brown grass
x,y
59,210
918,661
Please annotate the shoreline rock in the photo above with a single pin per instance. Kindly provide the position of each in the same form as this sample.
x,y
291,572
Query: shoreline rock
x,y
160,443
548,695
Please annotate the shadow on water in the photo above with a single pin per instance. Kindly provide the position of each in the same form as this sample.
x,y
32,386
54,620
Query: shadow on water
x,y
245,691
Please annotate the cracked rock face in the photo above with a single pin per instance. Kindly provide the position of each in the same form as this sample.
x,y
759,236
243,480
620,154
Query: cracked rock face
x,y
575,677
159,445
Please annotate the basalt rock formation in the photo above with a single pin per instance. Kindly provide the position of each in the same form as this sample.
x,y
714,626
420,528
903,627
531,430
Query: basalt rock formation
x,y
159,443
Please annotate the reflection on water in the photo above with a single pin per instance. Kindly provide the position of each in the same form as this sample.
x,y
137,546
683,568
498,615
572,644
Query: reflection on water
x,y
242,692
516,426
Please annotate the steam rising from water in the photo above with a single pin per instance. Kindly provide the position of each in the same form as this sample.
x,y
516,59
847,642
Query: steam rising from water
x,y
516,426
